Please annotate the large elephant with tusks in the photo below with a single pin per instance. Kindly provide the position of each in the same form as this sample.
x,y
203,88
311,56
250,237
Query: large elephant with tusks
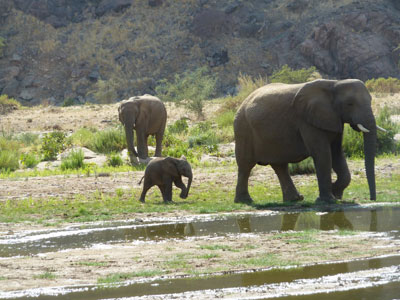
x,y
285,123
147,116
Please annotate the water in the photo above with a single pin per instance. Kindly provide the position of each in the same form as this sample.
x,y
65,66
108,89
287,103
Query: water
x,y
379,219
377,278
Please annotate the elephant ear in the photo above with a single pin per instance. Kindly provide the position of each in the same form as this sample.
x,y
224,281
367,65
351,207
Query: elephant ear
x,y
171,166
314,103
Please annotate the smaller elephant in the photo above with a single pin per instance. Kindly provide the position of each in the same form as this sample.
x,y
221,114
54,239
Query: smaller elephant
x,y
163,171
147,116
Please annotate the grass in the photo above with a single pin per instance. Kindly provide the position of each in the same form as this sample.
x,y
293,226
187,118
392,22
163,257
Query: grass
x,y
93,263
266,260
118,277
218,247
206,198
298,237
45,275
74,160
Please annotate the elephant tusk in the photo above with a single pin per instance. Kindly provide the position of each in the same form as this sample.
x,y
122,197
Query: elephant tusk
x,y
362,128
380,128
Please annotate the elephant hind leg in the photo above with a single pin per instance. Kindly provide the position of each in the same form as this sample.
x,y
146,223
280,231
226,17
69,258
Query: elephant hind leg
x,y
166,191
242,187
146,186
289,191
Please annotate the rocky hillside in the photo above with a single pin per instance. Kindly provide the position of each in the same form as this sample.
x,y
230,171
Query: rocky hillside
x,y
105,50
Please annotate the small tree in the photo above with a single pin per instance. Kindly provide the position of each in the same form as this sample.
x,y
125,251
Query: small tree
x,y
190,89
288,75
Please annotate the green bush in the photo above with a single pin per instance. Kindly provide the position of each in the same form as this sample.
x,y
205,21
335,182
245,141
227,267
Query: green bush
x,y
2,46
68,102
225,119
52,144
83,137
7,104
203,135
29,160
107,141
74,160
304,167
114,160
8,143
353,144
193,87
246,85
8,161
383,85
288,75
28,138
180,126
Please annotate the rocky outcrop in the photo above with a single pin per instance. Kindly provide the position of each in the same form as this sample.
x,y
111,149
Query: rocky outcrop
x,y
119,48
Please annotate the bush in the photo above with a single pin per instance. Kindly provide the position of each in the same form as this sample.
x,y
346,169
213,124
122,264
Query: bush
x,y
203,135
288,75
225,119
383,85
107,141
193,87
28,138
29,160
246,85
179,126
8,161
52,144
304,167
7,104
68,102
353,144
114,160
83,137
74,160
2,46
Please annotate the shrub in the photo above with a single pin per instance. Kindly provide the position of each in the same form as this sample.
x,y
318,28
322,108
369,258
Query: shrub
x,y
179,126
29,160
2,46
353,144
74,160
28,138
304,167
193,87
8,161
114,160
83,137
52,144
203,135
68,102
383,85
7,104
105,91
107,141
225,119
246,85
288,75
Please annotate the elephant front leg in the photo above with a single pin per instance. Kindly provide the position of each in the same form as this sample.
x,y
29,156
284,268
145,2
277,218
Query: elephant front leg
x,y
159,138
340,167
146,186
323,166
289,191
178,183
142,144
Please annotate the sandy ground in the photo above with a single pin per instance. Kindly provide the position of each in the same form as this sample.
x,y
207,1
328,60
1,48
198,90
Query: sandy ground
x,y
178,257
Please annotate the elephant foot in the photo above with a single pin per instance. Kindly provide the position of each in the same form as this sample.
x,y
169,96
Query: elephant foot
x,y
326,200
244,199
183,195
141,200
134,161
338,194
296,198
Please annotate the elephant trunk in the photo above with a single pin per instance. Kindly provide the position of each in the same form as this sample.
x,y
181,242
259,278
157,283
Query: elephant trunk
x,y
370,152
129,140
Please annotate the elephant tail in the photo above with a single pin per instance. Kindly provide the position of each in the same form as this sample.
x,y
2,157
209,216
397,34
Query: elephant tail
x,y
140,182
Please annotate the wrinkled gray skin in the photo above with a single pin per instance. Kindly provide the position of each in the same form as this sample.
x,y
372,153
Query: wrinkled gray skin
x,y
147,115
280,123
165,171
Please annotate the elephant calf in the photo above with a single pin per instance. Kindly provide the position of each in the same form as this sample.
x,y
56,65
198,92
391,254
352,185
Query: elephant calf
x,y
162,171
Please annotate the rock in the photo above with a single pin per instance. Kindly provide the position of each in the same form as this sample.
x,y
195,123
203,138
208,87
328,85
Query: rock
x,y
155,3
232,7
218,57
106,6
16,58
28,94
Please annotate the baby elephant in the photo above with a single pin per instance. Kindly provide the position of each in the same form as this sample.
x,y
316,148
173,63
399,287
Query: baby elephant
x,y
162,171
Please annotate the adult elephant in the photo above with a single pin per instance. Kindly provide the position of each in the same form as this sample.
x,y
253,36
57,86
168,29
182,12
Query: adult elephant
x,y
147,115
285,123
